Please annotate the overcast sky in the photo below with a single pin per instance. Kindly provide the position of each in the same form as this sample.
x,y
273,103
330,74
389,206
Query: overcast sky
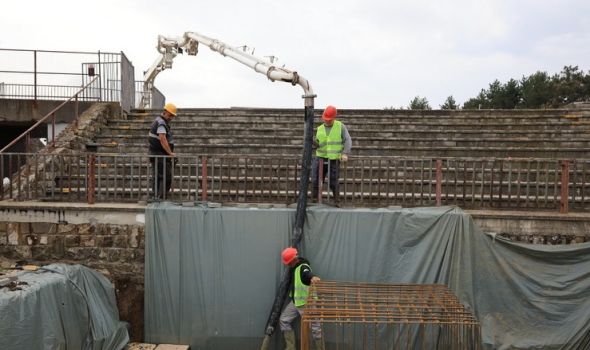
x,y
355,53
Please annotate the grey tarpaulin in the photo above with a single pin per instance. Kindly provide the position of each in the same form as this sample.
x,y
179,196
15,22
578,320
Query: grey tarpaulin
x,y
61,307
211,274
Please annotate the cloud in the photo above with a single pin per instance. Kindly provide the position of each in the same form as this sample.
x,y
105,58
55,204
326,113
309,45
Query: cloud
x,y
356,54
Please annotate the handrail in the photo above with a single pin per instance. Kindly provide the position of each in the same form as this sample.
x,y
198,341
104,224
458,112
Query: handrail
x,y
50,114
59,51
474,183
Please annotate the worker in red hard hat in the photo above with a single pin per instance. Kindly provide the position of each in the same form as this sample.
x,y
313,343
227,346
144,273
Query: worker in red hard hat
x,y
333,144
301,278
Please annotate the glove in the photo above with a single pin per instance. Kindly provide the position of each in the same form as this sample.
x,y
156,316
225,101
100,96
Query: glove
x,y
344,158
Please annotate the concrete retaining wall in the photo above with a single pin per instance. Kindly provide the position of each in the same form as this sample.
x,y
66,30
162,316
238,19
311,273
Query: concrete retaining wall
x,y
110,240
18,111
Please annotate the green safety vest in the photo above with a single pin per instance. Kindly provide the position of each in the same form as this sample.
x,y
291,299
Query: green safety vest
x,y
299,289
330,146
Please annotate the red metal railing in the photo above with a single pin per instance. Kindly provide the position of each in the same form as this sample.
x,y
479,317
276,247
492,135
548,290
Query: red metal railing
x,y
475,183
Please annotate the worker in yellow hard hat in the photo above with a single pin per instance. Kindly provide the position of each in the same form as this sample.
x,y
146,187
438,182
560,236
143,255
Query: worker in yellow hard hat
x,y
333,144
301,278
161,151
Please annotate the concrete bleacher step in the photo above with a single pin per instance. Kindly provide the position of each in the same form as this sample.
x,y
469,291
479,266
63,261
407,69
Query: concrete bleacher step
x,y
269,114
297,129
191,142
352,124
510,184
140,132
367,197
360,150
377,167
143,181
507,133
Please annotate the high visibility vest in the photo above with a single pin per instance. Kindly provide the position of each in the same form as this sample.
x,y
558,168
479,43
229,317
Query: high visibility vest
x,y
330,146
299,289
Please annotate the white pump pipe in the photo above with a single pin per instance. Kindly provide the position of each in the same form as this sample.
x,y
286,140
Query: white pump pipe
x,y
170,47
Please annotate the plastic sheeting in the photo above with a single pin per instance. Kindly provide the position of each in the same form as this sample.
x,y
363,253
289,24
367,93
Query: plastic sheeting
x,y
61,307
211,274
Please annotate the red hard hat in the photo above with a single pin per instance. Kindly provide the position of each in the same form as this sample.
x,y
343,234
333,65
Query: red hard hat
x,y
288,255
329,113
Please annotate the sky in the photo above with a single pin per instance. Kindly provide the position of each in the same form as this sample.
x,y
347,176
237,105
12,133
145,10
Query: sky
x,y
355,53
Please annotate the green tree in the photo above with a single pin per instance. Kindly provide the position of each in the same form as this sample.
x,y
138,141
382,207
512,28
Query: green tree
x,y
419,103
536,90
481,101
450,103
571,85
511,95
503,96
498,95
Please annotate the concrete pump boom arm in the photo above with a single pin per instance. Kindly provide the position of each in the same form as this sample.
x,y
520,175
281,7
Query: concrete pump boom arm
x,y
169,47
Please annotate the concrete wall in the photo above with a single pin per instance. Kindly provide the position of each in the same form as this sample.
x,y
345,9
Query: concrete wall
x,y
535,227
19,111
110,240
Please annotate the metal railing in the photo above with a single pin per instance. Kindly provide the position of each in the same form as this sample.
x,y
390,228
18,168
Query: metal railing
x,y
54,75
474,183
154,98
26,135
46,92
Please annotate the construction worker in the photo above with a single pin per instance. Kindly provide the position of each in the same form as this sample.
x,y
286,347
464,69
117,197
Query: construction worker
x,y
301,278
333,144
161,143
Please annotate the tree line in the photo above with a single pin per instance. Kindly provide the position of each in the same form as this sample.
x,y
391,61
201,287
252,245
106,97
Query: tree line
x,y
538,90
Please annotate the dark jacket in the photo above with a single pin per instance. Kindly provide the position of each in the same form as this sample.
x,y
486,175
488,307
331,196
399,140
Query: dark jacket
x,y
155,147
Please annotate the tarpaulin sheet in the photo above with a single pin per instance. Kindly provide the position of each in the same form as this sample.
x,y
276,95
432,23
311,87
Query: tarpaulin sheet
x,y
211,274
61,307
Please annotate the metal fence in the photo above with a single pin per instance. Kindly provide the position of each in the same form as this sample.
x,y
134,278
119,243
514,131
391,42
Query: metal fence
x,y
57,75
47,92
467,182
153,98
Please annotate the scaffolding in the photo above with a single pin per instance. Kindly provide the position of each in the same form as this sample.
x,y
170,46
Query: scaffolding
x,y
388,316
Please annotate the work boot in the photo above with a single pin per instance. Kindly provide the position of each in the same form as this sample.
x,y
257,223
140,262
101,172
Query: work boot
x,y
337,200
289,340
318,344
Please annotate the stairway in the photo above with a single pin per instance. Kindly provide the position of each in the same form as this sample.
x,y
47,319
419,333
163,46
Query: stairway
x,y
254,155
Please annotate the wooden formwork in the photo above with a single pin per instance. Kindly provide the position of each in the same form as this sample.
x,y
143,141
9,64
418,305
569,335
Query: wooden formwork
x,y
388,316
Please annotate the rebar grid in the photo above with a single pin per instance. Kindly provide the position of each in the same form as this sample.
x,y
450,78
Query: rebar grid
x,y
388,316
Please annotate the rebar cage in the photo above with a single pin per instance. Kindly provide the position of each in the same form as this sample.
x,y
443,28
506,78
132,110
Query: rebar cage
x,y
388,316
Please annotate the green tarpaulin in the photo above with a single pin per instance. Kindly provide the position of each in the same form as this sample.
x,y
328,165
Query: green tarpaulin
x,y
211,274
61,307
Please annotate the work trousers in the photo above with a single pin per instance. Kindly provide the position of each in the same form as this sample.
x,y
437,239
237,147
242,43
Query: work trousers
x,y
290,312
331,166
161,177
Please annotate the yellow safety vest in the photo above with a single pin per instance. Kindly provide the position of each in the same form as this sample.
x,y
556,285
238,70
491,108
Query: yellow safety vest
x,y
330,146
300,289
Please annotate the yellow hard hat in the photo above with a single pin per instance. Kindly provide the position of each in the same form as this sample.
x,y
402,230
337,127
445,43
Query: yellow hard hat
x,y
171,108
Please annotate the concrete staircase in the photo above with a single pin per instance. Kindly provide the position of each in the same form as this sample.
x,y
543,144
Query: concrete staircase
x,y
253,155
527,133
